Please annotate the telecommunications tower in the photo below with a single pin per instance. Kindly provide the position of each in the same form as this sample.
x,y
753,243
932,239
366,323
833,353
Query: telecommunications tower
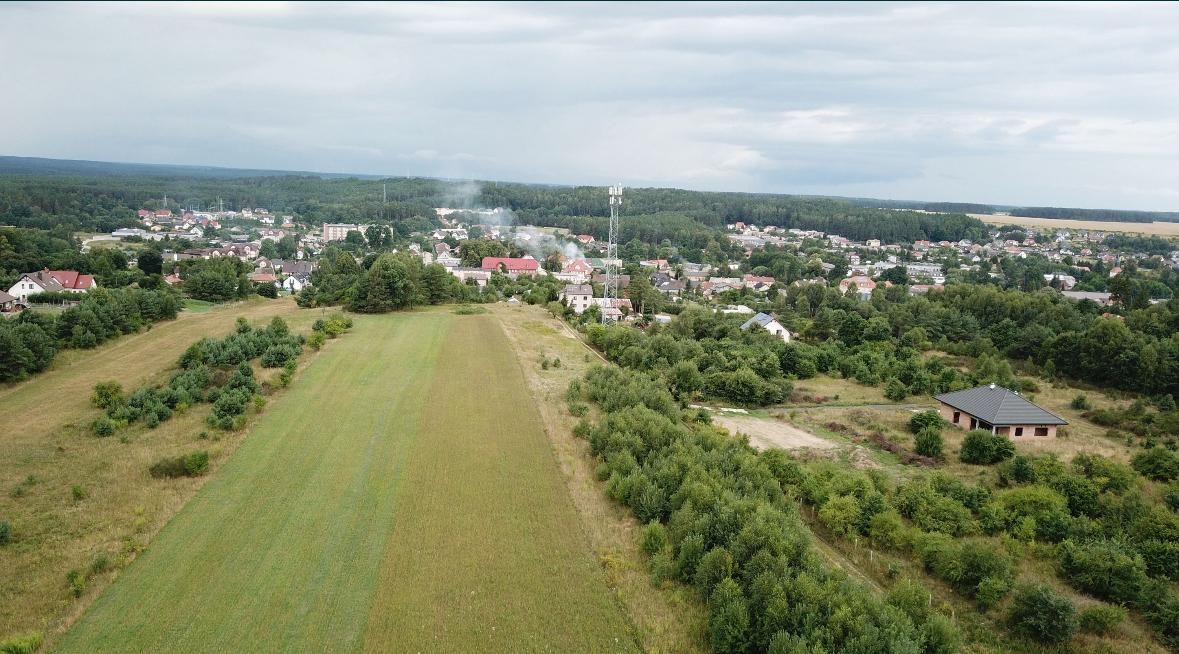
x,y
610,288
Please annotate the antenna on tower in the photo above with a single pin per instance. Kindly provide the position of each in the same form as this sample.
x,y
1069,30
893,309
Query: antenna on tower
x,y
610,288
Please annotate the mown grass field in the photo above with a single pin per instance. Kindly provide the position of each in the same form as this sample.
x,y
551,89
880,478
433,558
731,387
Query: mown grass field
x,y
400,496
46,450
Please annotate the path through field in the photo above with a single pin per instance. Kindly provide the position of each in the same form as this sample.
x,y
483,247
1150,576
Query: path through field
x,y
400,497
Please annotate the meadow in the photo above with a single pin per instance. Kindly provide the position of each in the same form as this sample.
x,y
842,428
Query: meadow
x,y
73,499
400,496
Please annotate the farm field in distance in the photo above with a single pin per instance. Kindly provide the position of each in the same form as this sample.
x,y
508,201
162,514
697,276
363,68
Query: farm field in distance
x,y
400,496
1165,229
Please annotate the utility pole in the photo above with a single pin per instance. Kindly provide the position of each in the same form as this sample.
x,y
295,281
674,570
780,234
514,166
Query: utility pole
x,y
610,288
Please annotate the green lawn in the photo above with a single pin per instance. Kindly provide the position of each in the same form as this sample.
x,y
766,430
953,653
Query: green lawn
x,y
400,496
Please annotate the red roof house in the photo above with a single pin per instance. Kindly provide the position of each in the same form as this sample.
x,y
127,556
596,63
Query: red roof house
x,y
511,264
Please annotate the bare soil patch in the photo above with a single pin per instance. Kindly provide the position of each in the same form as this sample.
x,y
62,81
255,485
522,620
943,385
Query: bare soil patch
x,y
765,434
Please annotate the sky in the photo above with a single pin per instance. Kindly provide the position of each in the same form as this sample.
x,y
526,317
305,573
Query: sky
x,y
1021,104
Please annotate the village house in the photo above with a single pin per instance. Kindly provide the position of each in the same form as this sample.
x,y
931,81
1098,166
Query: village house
x,y
578,297
51,281
295,283
513,266
770,324
577,271
999,411
623,281
862,285
7,302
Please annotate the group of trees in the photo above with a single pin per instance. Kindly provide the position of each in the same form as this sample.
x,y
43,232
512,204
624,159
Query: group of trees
x,y
1115,542
29,341
203,375
383,283
719,521
1056,335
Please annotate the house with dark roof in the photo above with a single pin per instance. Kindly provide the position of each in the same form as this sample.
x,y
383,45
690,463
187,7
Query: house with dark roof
x,y
999,411
771,325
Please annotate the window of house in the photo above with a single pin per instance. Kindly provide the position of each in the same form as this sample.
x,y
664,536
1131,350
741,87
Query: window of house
x,y
957,414
1019,431
1041,431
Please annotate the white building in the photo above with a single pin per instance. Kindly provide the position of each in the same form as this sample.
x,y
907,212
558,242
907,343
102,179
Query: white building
x,y
338,231
579,297
770,324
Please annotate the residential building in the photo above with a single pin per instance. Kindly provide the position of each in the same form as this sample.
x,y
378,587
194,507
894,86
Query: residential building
x,y
511,265
999,411
7,302
862,286
51,281
578,297
770,324
338,231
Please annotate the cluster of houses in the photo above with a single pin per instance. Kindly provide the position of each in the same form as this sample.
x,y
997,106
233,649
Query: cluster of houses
x,y
44,281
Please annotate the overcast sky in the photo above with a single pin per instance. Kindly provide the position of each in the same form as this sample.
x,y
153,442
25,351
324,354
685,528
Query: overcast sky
x,y
1016,104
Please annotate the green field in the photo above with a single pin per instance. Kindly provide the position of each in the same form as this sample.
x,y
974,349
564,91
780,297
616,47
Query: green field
x,y
401,496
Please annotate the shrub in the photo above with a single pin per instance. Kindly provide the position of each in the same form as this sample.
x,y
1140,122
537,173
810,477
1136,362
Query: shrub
x,y
1171,497
1104,569
103,427
924,420
25,644
1100,619
1081,403
1042,615
316,340
78,493
895,390
728,620
578,409
76,581
714,567
981,447
1157,463
5,532
654,538
189,465
929,442
107,394
841,515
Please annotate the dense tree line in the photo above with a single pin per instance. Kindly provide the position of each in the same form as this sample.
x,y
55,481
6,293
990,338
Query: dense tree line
x,y
29,341
719,521
384,282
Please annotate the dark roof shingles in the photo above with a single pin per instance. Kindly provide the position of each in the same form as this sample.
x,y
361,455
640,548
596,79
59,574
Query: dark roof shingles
x,y
999,406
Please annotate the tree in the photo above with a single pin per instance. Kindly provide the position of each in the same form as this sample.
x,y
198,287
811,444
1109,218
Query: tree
x,y
1042,615
438,284
150,262
473,251
287,246
378,236
268,249
896,275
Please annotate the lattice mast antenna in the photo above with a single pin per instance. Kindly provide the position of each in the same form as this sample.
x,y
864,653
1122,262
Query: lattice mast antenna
x,y
610,288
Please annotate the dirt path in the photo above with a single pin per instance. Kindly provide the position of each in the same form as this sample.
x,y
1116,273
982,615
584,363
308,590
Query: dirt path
x,y
764,433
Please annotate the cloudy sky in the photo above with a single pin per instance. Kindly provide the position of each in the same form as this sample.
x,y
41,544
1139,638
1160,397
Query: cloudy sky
x,y
1019,104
